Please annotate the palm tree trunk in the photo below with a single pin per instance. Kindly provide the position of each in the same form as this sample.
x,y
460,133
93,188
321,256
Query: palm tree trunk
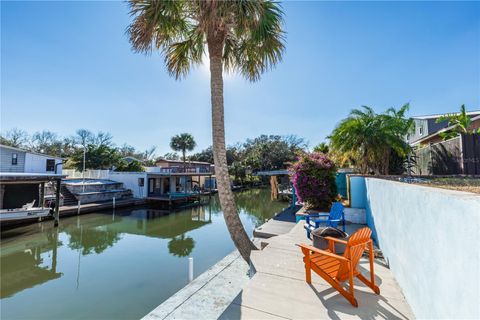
x,y
232,219
184,161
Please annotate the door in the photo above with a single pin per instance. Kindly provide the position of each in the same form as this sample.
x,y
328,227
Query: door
x,y
151,185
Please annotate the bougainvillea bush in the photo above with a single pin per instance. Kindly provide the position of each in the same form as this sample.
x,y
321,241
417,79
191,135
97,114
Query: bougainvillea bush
x,y
313,176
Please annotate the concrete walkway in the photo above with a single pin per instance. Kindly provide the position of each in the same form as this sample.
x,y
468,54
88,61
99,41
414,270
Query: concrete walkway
x,y
208,295
278,289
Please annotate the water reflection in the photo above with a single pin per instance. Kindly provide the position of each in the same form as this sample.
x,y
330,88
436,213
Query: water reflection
x,y
181,246
27,267
90,240
139,252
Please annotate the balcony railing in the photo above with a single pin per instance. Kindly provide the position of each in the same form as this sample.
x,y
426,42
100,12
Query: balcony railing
x,y
187,170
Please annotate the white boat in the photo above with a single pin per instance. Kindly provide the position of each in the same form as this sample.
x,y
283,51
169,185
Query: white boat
x,y
26,212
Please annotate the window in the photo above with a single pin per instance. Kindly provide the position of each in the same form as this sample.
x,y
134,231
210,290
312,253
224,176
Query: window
x,y
50,164
420,130
14,159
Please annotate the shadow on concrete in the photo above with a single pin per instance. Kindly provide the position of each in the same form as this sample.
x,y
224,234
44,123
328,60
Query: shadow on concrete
x,y
288,214
369,305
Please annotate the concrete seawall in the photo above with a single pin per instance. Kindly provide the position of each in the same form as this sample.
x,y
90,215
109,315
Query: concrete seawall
x,y
430,237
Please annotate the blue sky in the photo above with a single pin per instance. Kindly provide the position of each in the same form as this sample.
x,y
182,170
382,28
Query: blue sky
x,y
68,65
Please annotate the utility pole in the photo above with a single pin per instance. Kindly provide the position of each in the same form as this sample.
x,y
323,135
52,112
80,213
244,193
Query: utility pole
x,y
83,172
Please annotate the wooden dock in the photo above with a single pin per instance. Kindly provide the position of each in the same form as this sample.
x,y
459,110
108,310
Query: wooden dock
x,y
97,206
281,223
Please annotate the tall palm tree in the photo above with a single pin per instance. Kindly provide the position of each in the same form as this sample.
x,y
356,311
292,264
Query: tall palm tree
x,y
183,142
240,35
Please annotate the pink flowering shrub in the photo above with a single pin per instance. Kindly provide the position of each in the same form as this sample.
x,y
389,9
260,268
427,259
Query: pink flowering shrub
x,y
313,176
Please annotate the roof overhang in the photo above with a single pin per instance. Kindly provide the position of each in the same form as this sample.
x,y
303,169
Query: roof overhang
x,y
272,173
29,177
434,116
180,174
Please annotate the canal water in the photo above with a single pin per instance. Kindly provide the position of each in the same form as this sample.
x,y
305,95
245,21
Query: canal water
x,y
119,264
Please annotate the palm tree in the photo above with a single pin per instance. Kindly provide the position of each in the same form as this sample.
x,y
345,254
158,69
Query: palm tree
x,y
183,142
461,123
243,36
369,138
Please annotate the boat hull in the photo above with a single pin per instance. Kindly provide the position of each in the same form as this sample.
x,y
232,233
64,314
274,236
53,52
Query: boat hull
x,y
22,214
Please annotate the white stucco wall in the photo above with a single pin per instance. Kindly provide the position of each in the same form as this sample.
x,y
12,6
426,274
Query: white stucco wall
x,y
430,238
36,163
130,181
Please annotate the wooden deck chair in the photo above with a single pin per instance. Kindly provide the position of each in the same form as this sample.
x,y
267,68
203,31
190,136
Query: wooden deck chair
x,y
336,269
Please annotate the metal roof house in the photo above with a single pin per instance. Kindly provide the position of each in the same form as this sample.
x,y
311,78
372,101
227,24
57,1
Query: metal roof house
x,y
427,129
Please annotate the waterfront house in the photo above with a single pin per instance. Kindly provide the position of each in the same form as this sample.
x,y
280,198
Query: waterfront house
x,y
23,178
170,180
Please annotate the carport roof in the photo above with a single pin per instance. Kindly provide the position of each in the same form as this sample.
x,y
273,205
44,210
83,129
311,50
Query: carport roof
x,y
25,177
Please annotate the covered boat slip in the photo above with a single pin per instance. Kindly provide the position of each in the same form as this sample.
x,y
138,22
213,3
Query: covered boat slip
x,y
22,196
178,187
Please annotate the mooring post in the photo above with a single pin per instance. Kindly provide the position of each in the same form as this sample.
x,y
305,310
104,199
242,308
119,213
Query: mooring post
x,y
113,202
57,203
42,195
78,206
190,269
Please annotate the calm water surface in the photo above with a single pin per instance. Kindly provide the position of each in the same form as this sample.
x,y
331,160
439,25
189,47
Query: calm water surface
x,y
115,265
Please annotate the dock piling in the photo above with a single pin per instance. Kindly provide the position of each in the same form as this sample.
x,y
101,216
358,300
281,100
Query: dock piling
x,y
78,207
113,204
57,202
190,269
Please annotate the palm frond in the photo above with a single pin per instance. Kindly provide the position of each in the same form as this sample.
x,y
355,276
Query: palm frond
x,y
252,37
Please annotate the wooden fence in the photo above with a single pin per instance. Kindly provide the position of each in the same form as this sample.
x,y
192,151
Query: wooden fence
x,y
460,155
471,153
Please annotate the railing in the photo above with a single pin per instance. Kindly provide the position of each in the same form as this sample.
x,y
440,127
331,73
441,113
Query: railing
x,y
89,174
186,170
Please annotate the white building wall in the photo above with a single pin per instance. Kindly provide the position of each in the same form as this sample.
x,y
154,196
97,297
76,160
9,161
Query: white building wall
x,y
130,181
36,163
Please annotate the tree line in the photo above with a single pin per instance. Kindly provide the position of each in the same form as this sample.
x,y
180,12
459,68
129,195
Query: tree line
x,y
266,152
263,153
100,148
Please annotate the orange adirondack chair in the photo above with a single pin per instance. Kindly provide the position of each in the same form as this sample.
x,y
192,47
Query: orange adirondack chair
x,y
336,269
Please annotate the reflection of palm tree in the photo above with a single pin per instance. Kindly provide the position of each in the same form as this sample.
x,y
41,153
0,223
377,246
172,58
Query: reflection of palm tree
x,y
181,246
255,203
92,239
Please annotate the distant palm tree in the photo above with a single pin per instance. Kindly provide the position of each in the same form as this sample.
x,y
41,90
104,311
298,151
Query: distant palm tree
x,y
183,142
242,36
368,138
